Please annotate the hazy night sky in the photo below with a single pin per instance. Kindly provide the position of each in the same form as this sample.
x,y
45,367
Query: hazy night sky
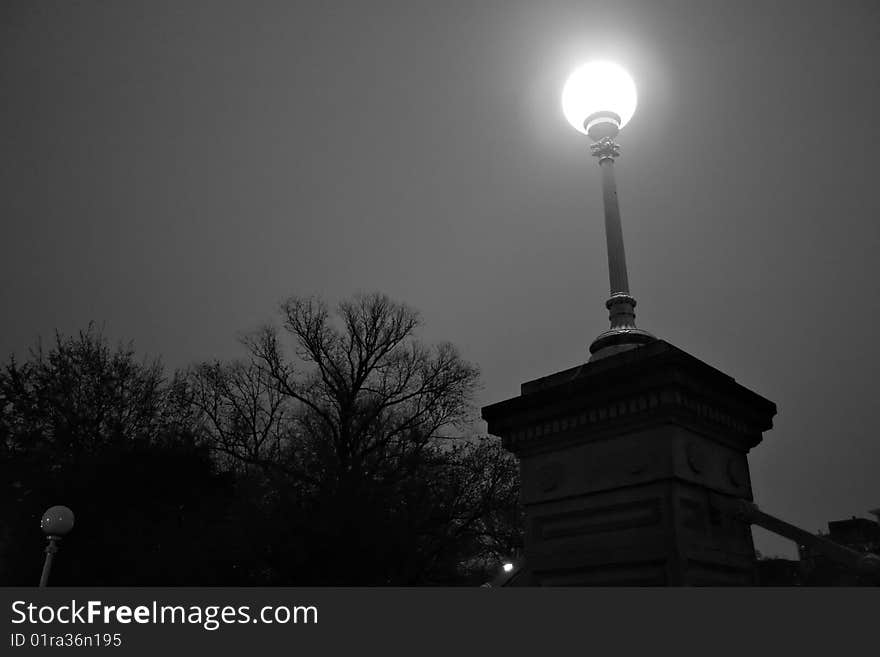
x,y
173,170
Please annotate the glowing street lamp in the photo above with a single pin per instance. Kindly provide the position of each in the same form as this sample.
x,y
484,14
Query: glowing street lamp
x,y
598,100
56,523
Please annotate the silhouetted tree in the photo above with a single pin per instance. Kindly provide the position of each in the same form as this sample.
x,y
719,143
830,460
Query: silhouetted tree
x,y
92,428
348,441
333,465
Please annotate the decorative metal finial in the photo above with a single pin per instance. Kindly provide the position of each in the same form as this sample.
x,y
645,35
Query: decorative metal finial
x,y
605,149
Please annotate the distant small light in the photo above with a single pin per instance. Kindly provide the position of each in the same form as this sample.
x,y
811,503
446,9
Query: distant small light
x,y
507,567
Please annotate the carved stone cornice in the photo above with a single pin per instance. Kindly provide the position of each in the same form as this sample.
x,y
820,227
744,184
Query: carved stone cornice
x,y
651,385
596,420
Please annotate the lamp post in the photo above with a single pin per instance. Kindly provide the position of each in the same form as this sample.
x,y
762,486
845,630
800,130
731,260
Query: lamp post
x,y
622,461
598,100
56,523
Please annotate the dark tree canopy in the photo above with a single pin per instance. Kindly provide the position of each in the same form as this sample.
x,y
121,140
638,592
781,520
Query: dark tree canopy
x,y
338,451
81,396
356,423
90,427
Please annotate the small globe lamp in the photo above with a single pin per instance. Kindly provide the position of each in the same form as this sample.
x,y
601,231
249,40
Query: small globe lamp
x,y
56,524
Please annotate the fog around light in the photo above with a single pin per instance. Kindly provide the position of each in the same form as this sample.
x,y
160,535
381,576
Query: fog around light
x,y
598,86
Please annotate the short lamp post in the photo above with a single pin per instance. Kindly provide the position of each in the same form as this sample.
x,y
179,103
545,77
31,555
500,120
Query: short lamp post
x,y
56,523
598,100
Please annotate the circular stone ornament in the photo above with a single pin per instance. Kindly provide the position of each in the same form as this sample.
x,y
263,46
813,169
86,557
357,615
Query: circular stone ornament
x,y
550,476
640,462
695,457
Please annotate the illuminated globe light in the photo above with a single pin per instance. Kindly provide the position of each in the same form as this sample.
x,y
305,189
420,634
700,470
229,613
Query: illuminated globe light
x,y
57,521
599,98
507,567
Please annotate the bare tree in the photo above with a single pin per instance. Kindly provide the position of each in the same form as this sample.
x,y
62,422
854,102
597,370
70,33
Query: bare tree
x,y
365,387
358,420
246,416
81,396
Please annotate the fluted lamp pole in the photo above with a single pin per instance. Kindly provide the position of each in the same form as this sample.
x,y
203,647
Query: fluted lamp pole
x,y
598,100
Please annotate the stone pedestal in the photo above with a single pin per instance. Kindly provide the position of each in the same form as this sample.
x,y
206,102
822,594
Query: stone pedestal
x,y
623,464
